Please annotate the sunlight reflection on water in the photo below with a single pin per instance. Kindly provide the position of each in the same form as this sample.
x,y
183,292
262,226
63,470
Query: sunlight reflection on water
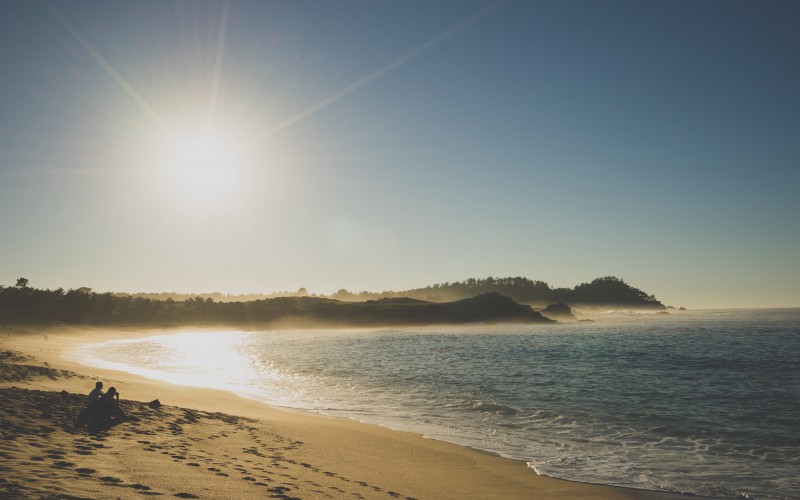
x,y
203,359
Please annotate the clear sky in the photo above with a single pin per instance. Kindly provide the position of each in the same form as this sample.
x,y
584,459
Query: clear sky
x,y
375,145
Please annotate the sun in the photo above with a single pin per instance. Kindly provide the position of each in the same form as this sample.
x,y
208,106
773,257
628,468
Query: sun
x,y
203,166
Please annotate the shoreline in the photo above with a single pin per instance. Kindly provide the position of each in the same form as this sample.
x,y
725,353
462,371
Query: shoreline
x,y
326,456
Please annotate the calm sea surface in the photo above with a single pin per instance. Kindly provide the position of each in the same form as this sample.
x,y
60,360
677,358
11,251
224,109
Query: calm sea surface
x,y
700,402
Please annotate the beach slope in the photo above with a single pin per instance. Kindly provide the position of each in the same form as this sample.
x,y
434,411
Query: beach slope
x,y
204,443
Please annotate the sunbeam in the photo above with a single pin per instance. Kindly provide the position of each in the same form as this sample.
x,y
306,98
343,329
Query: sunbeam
x,y
391,66
218,57
103,63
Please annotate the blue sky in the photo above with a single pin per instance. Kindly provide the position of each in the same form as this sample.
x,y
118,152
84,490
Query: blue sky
x,y
391,145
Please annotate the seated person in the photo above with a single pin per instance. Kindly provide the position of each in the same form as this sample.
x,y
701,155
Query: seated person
x,y
106,412
91,400
96,394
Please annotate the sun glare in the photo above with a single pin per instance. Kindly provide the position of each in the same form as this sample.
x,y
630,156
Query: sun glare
x,y
203,166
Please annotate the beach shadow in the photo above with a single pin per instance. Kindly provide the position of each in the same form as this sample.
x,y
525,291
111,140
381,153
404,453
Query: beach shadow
x,y
97,426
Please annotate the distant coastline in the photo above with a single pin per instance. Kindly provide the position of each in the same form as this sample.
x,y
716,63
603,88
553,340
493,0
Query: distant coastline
x,y
604,292
490,300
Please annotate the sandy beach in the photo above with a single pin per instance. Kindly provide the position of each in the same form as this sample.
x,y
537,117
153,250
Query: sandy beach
x,y
204,443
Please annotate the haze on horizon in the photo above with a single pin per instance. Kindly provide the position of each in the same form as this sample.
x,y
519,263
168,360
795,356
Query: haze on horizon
x,y
375,145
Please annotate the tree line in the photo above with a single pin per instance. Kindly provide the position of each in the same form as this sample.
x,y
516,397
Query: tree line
x,y
604,291
24,304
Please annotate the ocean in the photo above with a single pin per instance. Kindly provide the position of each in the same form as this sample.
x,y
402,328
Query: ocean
x,y
704,402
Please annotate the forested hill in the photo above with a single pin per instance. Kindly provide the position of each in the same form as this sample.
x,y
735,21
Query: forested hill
x,y
24,305
608,291
472,300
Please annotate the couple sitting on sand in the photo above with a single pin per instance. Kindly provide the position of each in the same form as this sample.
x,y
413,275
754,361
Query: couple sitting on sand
x,y
102,410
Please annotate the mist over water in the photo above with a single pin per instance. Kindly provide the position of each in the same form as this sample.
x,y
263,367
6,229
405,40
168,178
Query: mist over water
x,y
706,403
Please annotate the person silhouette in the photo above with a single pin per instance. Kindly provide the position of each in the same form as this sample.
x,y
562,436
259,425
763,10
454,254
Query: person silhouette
x,y
96,394
91,400
105,412
109,405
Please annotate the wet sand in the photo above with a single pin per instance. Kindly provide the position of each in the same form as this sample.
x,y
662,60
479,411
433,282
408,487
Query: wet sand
x,y
204,443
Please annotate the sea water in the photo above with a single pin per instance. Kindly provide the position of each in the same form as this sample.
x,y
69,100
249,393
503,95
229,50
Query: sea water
x,y
696,402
